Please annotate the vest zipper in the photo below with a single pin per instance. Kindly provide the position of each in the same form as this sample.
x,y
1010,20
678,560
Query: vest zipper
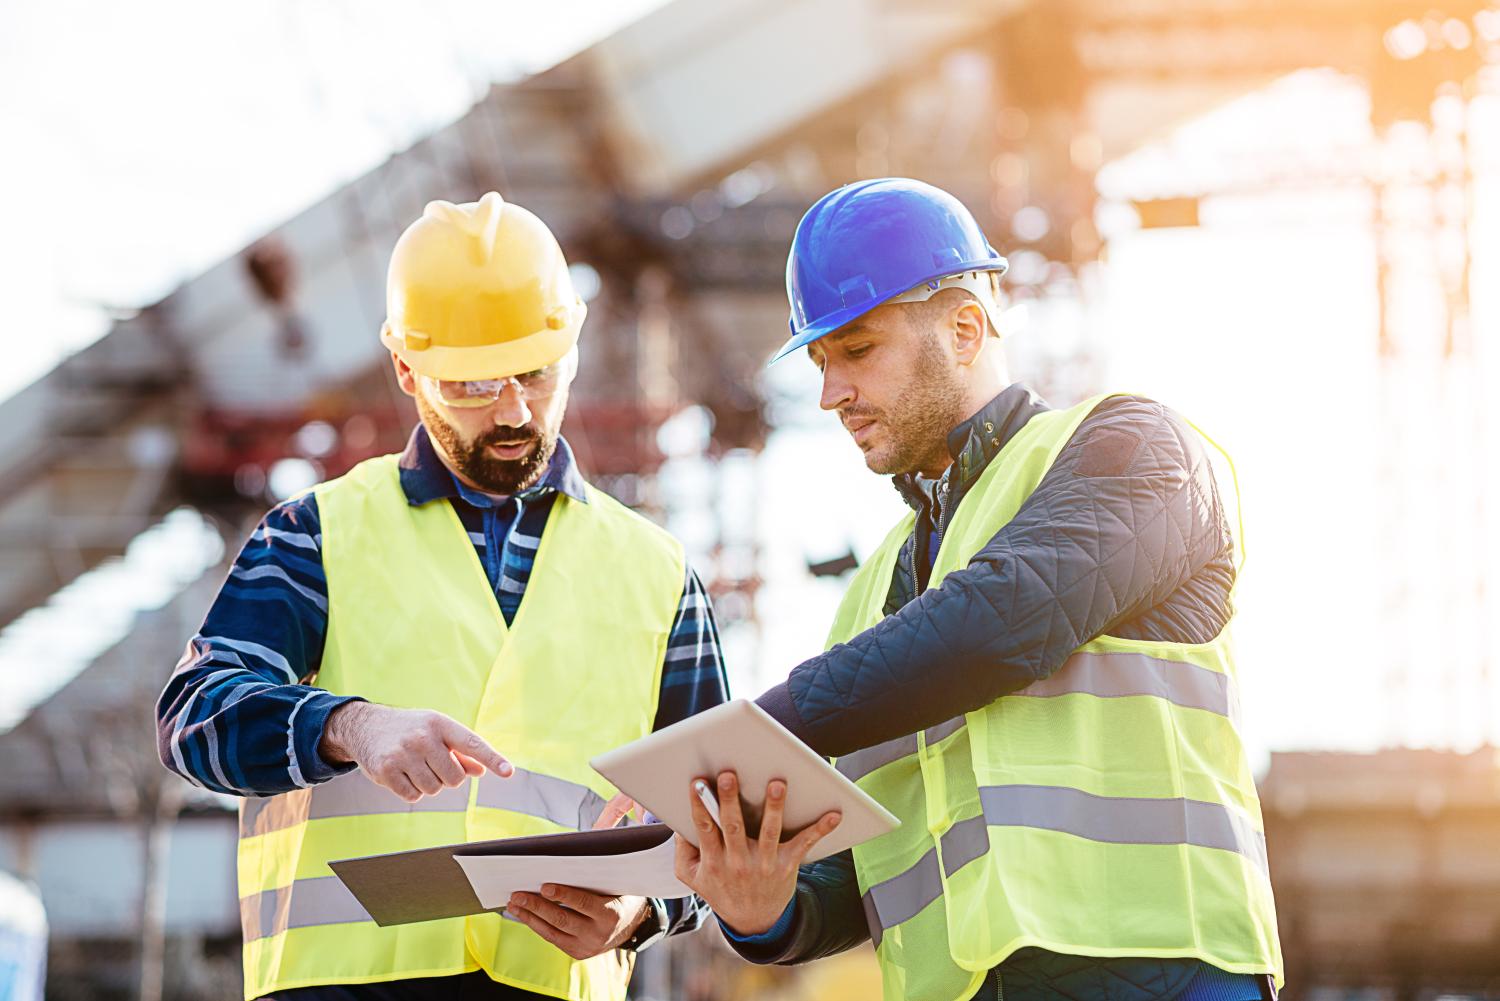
x,y
999,986
942,526
944,516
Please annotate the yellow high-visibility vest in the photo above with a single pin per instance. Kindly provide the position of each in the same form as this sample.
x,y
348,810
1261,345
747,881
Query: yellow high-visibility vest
x,y
413,622
1108,810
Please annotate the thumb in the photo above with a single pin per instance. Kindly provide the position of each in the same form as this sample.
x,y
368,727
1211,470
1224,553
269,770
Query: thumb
x,y
615,810
468,743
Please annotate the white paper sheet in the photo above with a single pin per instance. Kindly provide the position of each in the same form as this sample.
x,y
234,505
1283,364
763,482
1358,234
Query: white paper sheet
x,y
647,874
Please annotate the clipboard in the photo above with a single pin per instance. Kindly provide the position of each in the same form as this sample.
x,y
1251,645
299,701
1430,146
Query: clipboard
x,y
657,771
429,883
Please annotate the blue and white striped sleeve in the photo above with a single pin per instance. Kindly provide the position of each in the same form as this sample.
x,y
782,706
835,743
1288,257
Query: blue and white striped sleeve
x,y
692,680
235,716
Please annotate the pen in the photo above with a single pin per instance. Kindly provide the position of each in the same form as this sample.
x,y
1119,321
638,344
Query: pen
x,y
707,799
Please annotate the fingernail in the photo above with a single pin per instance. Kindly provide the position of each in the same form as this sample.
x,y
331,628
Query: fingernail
x,y
726,780
506,770
548,890
778,789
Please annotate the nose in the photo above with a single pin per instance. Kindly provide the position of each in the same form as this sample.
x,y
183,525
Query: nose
x,y
510,410
837,391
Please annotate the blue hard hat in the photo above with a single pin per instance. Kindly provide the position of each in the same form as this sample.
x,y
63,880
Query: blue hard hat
x,y
867,242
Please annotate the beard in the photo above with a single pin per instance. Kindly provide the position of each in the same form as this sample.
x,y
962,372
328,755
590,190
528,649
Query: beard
x,y
470,459
917,422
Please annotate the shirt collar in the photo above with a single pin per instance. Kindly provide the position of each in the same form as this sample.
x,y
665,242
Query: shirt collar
x,y
976,441
424,477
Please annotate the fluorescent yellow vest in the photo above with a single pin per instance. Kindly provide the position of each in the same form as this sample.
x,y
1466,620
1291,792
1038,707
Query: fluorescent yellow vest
x,y
413,622
1108,810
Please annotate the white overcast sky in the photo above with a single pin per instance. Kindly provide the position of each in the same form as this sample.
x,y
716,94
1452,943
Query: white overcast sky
x,y
141,142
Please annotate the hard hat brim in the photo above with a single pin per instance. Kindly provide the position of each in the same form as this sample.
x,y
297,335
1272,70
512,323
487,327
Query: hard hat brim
x,y
490,361
830,322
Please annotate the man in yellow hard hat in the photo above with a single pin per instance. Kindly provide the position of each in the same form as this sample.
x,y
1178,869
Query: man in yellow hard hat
x,y
430,648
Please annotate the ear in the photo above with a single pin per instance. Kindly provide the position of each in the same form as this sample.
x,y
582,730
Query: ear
x,y
405,377
969,329
571,371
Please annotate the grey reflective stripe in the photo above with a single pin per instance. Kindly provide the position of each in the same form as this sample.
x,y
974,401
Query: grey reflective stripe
x,y
903,897
964,842
1118,675
532,793
861,763
944,729
546,796
1124,820
351,795
323,900
1117,820
1105,675
261,814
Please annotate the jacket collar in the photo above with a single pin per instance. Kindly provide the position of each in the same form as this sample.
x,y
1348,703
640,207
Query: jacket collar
x,y
976,441
424,477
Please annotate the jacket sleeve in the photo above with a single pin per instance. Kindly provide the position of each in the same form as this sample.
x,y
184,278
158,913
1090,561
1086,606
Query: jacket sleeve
x,y
234,716
1127,515
826,917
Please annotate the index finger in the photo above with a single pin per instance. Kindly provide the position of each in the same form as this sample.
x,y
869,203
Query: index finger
x,y
710,841
582,901
617,809
465,741
770,821
731,819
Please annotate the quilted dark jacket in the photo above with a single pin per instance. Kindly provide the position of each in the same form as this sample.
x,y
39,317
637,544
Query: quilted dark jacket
x,y
1126,535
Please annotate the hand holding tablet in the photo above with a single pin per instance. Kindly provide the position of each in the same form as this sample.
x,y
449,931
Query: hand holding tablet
x,y
746,880
660,769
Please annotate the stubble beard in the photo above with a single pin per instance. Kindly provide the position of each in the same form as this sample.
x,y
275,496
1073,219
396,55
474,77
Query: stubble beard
x,y
918,422
470,459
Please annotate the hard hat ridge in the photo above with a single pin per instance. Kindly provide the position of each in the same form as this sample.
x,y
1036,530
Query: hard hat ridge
x,y
480,220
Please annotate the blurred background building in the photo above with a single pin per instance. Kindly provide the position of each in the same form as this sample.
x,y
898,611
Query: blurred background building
x,y
1280,217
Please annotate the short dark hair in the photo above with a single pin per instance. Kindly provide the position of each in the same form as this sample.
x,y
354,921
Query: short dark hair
x,y
922,314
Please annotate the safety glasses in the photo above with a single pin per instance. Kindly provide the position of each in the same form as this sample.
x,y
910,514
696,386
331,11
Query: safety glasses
x,y
482,392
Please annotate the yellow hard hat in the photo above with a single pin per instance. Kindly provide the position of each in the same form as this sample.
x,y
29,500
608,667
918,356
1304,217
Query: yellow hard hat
x,y
479,291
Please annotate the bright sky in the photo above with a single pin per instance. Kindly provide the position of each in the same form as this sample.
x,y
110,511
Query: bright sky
x,y
1367,525
171,133
145,141
1369,508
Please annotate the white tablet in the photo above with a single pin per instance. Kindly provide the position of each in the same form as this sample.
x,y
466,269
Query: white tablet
x,y
658,770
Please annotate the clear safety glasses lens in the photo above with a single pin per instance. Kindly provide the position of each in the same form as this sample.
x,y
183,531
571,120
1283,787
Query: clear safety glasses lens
x,y
483,392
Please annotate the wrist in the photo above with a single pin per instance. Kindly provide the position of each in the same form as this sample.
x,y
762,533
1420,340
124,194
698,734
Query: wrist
x,y
757,926
647,927
772,930
337,743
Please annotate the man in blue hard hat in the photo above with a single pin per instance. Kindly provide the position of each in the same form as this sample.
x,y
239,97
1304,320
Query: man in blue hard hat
x,y
1033,671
